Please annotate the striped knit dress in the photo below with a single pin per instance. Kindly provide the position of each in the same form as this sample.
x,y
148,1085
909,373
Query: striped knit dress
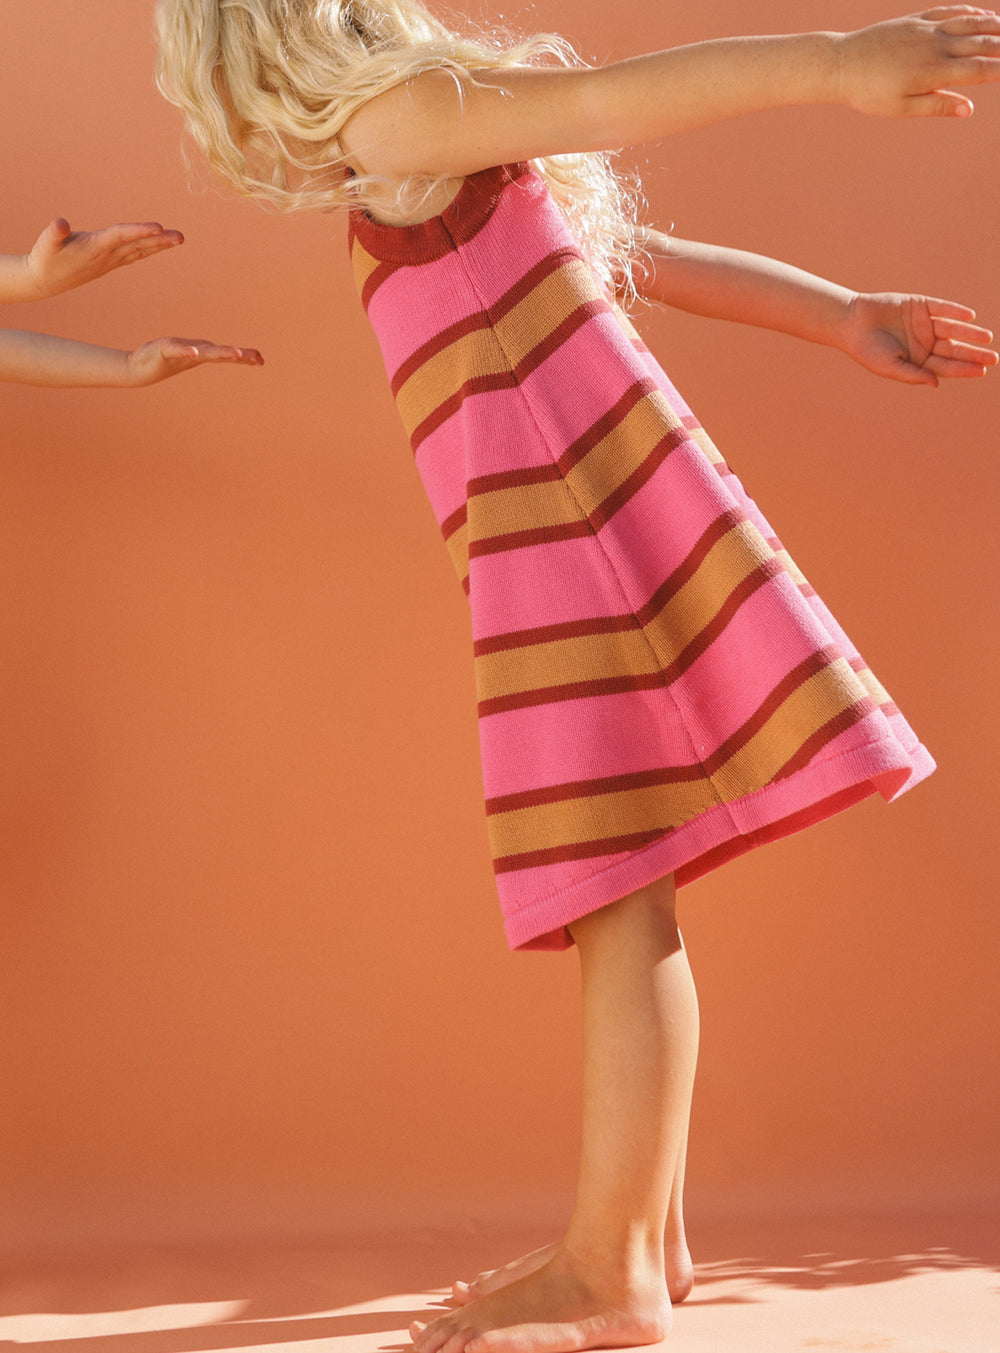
x,y
659,688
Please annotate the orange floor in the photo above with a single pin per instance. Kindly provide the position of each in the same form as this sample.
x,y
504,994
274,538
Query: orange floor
x,y
928,1285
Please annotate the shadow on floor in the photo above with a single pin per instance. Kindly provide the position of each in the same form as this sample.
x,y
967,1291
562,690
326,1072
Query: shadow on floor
x,y
816,1254
173,1299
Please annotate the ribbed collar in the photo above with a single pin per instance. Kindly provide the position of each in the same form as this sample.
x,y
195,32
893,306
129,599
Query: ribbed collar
x,y
464,217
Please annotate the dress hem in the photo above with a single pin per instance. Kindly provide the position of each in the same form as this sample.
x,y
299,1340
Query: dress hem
x,y
816,792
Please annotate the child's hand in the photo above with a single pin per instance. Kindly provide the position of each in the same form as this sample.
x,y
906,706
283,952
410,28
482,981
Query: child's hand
x,y
164,357
916,339
903,68
61,258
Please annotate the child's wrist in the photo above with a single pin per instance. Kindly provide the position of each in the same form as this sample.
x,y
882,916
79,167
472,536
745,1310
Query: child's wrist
x,y
842,334
827,66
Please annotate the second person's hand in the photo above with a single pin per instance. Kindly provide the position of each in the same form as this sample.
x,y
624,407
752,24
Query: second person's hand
x,y
62,258
164,357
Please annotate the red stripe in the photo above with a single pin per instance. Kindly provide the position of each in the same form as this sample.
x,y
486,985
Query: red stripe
x,y
538,535
585,789
574,690
846,719
559,335
482,319
686,570
374,280
768,570
615,501
544,695
585,850
606,424
614,624
507,380
514,479
469,325
666,775
547,634
478,385
523,288
812,666
455,521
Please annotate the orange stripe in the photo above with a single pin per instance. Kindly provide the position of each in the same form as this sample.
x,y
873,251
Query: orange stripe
x,y
615,501
521,290
375,279
811,667
478,385
559,335
839,724
482,319
771,568
668,775
606,424
685,571
479,319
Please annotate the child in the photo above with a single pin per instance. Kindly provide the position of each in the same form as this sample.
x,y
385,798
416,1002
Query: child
x,y
660,689
61,259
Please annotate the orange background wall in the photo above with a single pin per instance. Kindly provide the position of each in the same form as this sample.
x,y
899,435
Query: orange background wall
x,y
252,973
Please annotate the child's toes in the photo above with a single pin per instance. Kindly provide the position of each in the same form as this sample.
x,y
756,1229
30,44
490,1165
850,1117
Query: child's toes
x,y
428,1338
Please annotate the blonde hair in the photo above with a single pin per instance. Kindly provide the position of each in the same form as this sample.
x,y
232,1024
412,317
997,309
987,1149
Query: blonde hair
x,y
266,87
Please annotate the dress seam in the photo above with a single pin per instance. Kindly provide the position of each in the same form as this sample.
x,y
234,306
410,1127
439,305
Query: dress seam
x,y
665,686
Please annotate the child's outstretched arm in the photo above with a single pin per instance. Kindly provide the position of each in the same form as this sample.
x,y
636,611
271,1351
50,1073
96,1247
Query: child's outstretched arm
x,y
42,359
61,258
916,339
438,125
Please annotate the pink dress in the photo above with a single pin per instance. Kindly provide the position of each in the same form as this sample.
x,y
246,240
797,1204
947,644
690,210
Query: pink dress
x,y
659,688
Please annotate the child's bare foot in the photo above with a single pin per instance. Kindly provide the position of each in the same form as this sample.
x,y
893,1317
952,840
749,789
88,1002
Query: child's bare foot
x,y
563,1304
679,1270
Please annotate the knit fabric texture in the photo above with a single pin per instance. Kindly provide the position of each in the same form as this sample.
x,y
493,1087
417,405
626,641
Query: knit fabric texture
x,y
659,688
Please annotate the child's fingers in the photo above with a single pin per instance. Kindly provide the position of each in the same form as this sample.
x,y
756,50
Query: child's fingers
x,y
131,241
961,332
948,367
939,103
132,251
201,350
958,25
965,352
950,308
131,232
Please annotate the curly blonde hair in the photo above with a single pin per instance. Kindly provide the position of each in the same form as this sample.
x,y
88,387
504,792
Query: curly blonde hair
x,y
266,87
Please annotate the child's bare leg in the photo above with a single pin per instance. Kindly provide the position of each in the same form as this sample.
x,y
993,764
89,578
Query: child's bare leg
x,y
604,1283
